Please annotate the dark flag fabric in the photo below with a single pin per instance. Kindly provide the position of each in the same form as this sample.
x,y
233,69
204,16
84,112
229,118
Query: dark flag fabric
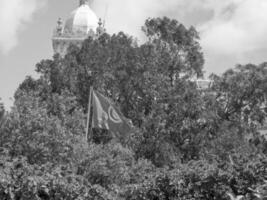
x,y
107,116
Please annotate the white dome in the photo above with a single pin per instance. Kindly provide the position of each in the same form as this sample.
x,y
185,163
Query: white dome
x,y
81,21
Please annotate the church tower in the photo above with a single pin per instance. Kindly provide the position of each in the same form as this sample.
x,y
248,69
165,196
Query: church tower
x,y
81,24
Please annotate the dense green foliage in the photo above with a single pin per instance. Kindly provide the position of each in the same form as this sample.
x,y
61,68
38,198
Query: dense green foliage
x,y
188,143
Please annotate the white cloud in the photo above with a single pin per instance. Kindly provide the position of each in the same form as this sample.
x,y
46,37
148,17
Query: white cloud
x,y
239,30
236,33
14,15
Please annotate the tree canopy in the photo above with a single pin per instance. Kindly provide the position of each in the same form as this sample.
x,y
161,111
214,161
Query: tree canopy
x,y
188,143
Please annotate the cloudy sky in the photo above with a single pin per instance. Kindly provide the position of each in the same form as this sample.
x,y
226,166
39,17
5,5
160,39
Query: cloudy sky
x,y
232,31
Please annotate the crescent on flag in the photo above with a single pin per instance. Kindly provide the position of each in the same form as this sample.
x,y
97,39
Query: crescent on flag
x,y
107,116
113,115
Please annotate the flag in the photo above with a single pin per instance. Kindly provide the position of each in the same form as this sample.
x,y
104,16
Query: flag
x,y
107,116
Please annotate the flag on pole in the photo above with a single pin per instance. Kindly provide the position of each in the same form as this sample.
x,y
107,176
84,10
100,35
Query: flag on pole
x,y
107,116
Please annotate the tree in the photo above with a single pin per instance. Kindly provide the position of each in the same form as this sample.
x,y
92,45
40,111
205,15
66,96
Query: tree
x,y
238,102
182,43
189,144
151,85
241,93
2,111
137,77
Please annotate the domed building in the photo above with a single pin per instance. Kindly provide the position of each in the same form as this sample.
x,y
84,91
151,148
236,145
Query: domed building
x,y
81,24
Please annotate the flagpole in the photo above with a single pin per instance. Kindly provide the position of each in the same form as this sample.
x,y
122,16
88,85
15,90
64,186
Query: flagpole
x,y
89,113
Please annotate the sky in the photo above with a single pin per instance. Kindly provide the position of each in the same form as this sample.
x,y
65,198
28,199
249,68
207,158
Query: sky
x,y
232,31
